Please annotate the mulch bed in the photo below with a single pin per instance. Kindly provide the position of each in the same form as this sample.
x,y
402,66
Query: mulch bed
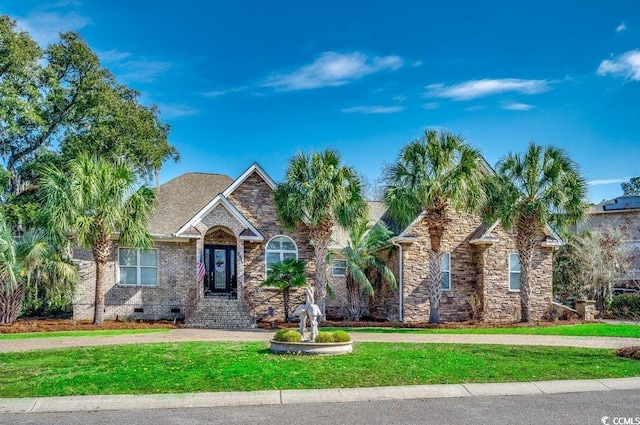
x,y
31,324
281,324
27,324
630,352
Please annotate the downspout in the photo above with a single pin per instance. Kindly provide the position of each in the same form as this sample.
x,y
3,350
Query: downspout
x,y
400,282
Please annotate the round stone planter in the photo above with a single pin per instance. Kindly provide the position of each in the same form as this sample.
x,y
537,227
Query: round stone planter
x,y
310,347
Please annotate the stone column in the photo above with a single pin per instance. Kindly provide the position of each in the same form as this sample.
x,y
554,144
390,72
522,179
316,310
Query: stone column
x,y
240,266
586,309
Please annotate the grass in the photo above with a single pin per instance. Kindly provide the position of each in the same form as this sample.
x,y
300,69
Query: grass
x,y
202,366
59,334
585,329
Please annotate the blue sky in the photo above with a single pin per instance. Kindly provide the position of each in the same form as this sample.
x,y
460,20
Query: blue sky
x,y
247,81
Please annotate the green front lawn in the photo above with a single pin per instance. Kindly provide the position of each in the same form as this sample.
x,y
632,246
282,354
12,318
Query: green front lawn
x,y
81,333
202,366
586,329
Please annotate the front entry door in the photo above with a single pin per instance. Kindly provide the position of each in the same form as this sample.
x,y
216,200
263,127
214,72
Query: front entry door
x,y
220,266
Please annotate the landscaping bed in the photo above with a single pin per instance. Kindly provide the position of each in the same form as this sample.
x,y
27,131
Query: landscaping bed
x,y
25,325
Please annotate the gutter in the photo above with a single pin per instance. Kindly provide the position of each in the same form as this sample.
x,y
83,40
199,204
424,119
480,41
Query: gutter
x,y
400,282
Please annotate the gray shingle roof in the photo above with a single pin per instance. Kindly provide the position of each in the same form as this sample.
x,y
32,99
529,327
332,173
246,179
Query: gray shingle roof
x,y
183,197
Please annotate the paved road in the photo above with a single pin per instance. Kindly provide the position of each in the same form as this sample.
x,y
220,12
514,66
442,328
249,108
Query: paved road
x,y
557,409
181,335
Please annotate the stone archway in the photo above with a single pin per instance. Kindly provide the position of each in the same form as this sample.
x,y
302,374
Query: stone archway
x,y
221,262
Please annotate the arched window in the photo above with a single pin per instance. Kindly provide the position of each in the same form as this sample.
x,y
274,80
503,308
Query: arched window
x,y
280,248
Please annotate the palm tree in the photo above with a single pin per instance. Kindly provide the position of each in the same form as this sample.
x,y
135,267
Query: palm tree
x,y
435,174
541,187
284,276
98,202
27,260
317,193
366,241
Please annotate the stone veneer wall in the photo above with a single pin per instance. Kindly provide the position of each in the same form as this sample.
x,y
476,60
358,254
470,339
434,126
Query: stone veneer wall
x,y
479,274
176,274
254,199
501,304
454,304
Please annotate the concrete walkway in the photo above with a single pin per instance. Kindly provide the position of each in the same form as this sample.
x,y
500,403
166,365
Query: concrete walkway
x,y
174,401
337,395
183,335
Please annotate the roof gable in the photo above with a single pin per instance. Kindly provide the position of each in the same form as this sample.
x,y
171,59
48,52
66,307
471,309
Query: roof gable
x,y
250,233
255,168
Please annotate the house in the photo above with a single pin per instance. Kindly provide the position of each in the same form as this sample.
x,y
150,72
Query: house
x,y
621,214
225,231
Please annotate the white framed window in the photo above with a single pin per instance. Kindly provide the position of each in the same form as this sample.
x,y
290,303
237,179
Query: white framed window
x,y
339,268
280,248
514,272
445,271
137,267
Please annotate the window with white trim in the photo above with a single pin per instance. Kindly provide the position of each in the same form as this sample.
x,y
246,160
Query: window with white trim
x,y
445,271
339,268
137,267
280,248
514,272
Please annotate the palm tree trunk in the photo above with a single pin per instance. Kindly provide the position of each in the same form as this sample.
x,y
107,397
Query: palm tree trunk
x,y
98,313
353,298
526,233
11,303
321,235
101,252
435,288
438,220
285,299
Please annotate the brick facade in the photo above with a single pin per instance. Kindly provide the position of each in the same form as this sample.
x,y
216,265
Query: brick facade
x,y
479,273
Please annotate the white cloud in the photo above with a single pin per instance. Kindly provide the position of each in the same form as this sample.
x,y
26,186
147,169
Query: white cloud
x,y
44,27
607,181
416,64
621,27
217,93
475,108
399,98
176,111
132,69
480,88
626,65
516,106
332,69
113,55
431,105
373,109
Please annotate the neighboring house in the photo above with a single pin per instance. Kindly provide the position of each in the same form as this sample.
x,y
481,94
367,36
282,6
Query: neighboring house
x,y
622,214
225,231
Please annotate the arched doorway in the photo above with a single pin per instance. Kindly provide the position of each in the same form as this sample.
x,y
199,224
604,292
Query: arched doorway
x,y
220,261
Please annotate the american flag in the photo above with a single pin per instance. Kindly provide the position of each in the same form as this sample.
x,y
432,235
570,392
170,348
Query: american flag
x,y
201,270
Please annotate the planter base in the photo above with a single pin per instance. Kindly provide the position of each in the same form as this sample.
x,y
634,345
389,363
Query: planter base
x,y
324,348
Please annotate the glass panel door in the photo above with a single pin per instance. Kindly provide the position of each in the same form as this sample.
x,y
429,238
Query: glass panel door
x,y
220,283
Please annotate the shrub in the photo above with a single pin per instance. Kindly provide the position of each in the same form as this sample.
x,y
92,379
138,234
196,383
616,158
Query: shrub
x,y
325,337
625,306
287,335
341,336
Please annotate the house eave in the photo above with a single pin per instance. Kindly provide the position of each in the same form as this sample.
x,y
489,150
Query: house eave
x,y
483,241
404,239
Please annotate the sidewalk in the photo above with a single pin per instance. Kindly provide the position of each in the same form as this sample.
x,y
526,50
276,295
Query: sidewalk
x,y
174,401
182,335
282,397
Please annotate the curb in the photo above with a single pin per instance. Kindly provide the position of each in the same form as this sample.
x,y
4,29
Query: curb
x,y
283,397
